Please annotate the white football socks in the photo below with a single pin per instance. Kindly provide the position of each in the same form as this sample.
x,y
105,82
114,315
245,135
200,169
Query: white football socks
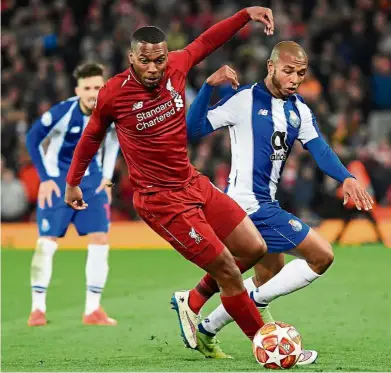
x,y
293,276
97,269
41,272
220,317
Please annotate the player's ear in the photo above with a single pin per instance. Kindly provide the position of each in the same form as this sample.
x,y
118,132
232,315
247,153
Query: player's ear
x,y
77,90
130,57
270,67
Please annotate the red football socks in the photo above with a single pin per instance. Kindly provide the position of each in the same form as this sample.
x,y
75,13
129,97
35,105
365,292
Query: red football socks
x,y
206,288
243,310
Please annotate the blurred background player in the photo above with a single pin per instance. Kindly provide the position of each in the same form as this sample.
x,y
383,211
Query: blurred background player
x,y
147,102
264,120
63,126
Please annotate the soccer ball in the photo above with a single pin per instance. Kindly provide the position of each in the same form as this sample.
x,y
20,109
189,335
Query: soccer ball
x,y
277,345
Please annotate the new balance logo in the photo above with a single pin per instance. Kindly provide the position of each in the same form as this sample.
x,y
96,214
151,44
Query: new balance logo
x,y
263,112
195,235
138,105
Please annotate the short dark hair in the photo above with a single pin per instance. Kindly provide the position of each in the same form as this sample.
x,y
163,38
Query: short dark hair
x,y
88,70
147,34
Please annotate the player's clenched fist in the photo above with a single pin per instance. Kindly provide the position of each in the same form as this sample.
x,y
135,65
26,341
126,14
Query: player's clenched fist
x,y
263,15
74,198
45,193
222,75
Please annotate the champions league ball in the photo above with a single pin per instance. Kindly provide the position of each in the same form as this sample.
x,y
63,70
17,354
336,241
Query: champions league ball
x,y
277,345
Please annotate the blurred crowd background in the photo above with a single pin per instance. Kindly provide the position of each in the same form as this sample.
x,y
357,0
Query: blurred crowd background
x,y
348,85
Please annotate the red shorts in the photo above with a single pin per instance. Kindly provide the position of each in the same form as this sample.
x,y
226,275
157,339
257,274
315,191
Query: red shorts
x,y
193,219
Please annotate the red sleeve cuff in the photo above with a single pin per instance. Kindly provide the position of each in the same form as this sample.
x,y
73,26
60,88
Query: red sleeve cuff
x,y
244,14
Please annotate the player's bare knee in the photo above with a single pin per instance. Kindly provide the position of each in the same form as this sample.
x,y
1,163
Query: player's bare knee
x,y
229,276
328,256
99,238
260,249
325,259
262,246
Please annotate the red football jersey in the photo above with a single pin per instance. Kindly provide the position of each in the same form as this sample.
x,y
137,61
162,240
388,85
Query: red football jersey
x,y
151,124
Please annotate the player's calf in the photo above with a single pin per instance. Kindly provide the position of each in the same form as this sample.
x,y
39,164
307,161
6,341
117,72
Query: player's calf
x,y
227,274
233,293
317,257
267,268
324,258
247,246
187,304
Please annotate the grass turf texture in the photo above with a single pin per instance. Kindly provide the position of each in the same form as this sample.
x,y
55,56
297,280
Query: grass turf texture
x,y
345,315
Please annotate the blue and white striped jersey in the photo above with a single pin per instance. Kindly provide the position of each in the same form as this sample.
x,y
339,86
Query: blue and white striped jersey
x,y
262,130
63,124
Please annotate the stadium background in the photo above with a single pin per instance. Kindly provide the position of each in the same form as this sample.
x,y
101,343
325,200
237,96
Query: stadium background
x,y
348,86
345,315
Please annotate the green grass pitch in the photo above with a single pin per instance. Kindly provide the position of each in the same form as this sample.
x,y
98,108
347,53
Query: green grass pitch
x,y
346,316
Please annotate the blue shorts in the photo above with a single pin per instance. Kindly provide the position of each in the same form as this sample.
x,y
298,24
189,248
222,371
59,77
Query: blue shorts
x,y
281,230
54,221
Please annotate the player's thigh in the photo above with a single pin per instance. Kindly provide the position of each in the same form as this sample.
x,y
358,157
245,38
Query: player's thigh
x,y
54,221
246,243
221,211
186,229
268,267
281,230
226,273
231,224
95,218
314,249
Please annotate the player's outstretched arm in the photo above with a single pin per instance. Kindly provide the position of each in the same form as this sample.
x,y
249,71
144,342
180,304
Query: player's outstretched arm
x,y
86,149
197,122
331,165
312,139
221,32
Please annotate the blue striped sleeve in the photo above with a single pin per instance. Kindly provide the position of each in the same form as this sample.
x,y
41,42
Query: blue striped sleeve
x,y
197,122
327,160
40,129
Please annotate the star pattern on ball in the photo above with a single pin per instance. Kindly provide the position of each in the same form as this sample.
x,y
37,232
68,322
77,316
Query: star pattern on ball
x,y
277,345
274,356
283,333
